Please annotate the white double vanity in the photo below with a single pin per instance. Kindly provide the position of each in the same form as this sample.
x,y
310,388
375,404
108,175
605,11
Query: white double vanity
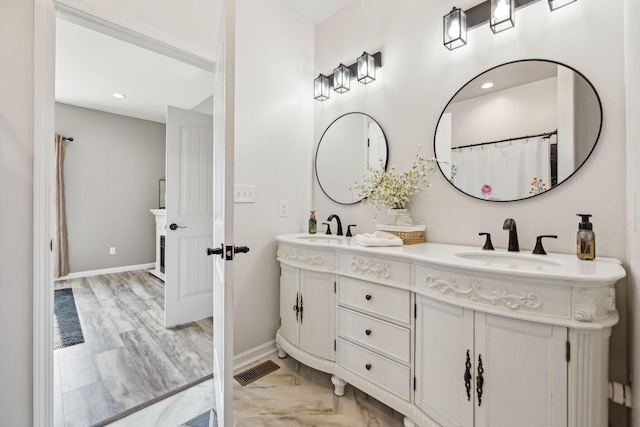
x,y
451,335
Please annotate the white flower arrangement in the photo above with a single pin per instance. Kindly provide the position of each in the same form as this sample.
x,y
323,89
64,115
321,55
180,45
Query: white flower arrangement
x,y
393,189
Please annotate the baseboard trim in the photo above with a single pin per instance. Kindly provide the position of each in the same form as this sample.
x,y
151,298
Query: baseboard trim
x,y
107,271
253,354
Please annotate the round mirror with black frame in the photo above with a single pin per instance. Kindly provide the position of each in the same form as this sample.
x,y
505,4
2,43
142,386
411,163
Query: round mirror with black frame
x,y
351,144
518,130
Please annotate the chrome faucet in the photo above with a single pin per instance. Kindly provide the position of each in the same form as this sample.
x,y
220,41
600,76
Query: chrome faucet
x,y
338,221
510,224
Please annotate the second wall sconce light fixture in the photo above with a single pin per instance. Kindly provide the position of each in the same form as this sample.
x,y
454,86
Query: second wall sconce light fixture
x,y
500,14
364,69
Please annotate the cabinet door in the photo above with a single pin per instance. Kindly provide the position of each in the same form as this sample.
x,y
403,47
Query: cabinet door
x,y
289,296
524,378
444,336
318,316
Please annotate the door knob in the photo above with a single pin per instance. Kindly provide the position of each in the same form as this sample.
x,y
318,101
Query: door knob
x,y
175,226
216,251
240,249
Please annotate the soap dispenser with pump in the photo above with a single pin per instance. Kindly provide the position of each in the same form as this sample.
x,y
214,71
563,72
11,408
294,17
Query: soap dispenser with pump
x,y
586,239
313,225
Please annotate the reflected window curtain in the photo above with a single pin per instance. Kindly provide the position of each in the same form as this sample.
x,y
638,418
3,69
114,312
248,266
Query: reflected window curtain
x,y
61,245
508,168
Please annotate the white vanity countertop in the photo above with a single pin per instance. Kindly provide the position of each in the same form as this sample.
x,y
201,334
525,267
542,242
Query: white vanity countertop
x,y
564,267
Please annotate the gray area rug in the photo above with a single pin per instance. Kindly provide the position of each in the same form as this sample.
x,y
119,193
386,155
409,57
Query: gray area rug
x,y
67,330
206,419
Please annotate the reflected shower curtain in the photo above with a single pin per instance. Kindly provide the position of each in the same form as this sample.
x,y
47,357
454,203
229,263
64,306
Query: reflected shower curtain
x,y
502,171
61,245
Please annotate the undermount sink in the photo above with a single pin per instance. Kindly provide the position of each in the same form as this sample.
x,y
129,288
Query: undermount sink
x,y
323,239
510,259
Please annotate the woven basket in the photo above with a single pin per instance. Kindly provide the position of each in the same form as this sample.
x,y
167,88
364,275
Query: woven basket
x,y
410,237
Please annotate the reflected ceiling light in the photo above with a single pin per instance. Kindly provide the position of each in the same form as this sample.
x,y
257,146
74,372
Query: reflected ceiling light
x,y
557,4
321,87
455,29
364,69
502,15
487,85
341,79
118,95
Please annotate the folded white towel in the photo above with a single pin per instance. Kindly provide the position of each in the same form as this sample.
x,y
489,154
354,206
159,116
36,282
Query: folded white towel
x,y
379,238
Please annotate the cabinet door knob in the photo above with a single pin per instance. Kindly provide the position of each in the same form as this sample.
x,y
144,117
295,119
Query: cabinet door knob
x,y
368,366
368,297
368,332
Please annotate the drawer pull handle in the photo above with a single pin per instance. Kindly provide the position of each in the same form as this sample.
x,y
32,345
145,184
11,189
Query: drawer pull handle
x,y
368,332
368,366
368,297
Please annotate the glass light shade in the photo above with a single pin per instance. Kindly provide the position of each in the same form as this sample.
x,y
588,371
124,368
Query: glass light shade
x,y
366,68
502,15
455,29
341,79
556,4
321,88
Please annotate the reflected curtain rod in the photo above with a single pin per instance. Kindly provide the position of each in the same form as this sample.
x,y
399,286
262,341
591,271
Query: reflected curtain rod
x,y
544,135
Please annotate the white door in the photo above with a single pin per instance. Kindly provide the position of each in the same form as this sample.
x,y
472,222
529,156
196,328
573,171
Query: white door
x,y
290,304
223,119
188,269
318,313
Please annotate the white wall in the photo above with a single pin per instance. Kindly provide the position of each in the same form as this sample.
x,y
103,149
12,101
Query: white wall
x,y
273,143
420,75
632,71
112,169
16,187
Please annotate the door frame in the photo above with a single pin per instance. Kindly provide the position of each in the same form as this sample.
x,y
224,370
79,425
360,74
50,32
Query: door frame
x,y
88,15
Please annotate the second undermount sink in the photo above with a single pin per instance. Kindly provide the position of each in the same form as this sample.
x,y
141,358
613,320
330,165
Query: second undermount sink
x,y
326,239
510,259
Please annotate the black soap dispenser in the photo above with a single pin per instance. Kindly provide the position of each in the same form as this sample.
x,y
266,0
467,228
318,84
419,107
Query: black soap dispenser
x,y
586,239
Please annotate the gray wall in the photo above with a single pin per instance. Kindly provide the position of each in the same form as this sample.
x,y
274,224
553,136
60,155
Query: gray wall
x,y
112,169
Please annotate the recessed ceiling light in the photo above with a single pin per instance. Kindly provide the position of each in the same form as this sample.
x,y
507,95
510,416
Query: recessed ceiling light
x,y
118,95
487,85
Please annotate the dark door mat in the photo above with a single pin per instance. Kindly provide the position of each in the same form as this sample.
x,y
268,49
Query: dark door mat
x,y
67,330
258,371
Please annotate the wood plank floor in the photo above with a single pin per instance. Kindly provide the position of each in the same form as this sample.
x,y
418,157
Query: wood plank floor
x,y
128,357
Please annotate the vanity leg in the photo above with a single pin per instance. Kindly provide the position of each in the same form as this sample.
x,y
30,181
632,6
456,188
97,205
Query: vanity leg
x,y
408,422
339,384
281,353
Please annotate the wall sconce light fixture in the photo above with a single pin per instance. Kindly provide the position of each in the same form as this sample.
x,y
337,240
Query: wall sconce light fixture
x,y
364,69
341,79
321,87
455,29
502,15
557,4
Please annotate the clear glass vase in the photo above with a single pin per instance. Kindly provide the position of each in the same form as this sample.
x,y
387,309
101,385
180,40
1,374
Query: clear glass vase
x,y
401,217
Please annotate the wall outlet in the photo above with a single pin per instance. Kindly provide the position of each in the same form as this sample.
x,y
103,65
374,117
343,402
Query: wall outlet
x,y
112,251
284,207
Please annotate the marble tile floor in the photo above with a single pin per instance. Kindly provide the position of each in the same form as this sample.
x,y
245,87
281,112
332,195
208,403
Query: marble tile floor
x,y
128,357
293,396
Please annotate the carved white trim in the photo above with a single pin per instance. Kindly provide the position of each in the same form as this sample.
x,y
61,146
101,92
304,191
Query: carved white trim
x,y
296,255
584,307
379,269
498,295
612,299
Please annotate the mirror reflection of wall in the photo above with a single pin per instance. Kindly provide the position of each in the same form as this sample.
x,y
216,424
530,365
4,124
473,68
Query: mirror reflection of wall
x,y
518,130
349,146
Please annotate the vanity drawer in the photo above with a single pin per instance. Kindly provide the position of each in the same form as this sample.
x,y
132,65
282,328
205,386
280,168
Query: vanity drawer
x,y
389,375
307,258
377,269
381,301
383,337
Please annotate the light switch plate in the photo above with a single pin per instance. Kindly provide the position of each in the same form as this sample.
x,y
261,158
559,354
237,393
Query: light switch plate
x,y
244,193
